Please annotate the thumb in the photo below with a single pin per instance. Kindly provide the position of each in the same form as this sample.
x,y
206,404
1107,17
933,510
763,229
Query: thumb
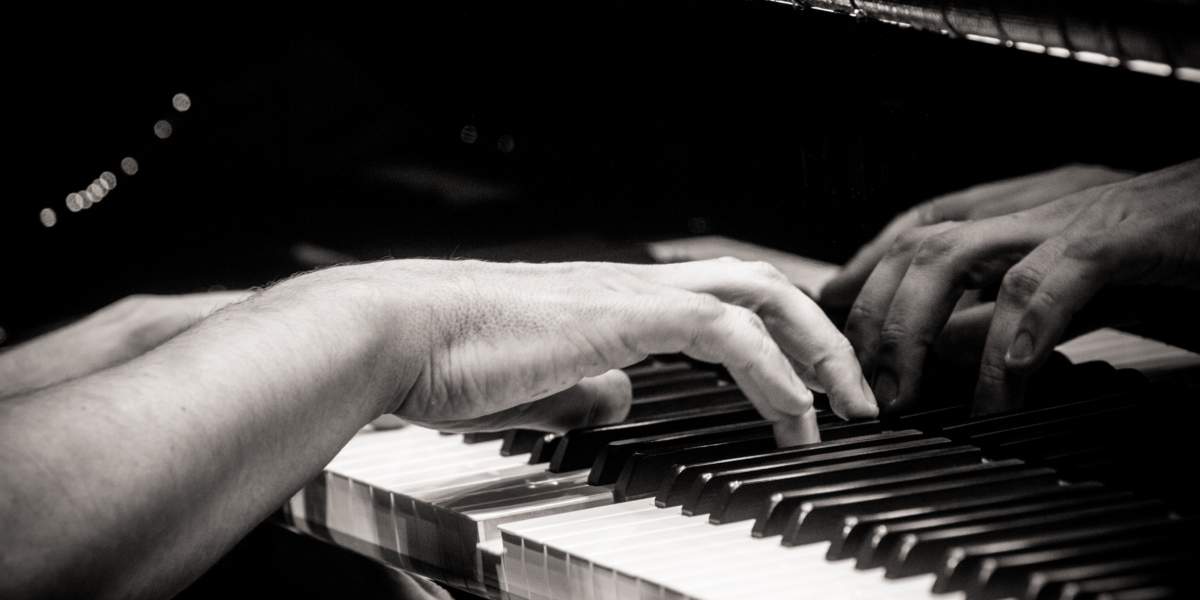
x,y
595,400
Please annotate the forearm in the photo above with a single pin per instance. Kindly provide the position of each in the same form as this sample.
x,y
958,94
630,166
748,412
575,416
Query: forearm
x,y
109,336
155,467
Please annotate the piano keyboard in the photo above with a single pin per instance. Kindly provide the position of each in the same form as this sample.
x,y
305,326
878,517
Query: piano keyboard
x,y
743,519
1081,496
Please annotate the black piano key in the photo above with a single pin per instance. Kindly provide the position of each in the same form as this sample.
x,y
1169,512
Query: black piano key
x,y
672,381
1045,579
476,437
684,401
655,366
544,449
848,525
775,513
930,421
837,429
645,470
1119,415
919,552
741,500
706,489
1056,442
612,458
960,563
680,478
580,447
1007,574
1009,420
520,441
1174,581
887,535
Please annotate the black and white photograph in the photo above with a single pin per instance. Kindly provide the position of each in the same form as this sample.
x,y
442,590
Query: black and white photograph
x,y
627,300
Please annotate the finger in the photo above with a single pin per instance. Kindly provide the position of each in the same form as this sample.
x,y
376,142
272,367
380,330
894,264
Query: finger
x,y
843,288
595,400
738,339
870,310
969,256
978,202
808,339
963,338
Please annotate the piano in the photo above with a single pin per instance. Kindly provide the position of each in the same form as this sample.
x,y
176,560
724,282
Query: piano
x,y
800,125
1076,495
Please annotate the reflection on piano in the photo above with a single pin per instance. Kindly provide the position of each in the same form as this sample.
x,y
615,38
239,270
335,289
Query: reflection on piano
x,y
1076,496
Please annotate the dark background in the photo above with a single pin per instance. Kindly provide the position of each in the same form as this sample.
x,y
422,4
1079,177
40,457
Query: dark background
x,y
339,126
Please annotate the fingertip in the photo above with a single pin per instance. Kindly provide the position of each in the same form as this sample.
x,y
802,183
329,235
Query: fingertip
x,y
797,430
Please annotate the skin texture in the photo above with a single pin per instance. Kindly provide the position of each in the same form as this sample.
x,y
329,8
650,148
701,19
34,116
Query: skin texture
x,y
1049,261
109,336
132,480
979,202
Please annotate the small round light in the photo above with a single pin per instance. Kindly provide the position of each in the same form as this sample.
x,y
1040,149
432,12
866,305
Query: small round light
x,y
181,102
48,217
88,199
74,202
97,190
111,180
469,134
505,144
162,129
129,165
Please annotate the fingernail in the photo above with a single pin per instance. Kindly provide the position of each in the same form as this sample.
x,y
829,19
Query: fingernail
x,y
1021,348
885,388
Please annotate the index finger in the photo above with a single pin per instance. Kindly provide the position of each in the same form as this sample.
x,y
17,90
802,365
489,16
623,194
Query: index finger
x,y
794,321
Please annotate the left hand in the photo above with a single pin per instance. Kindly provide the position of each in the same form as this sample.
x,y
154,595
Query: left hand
x,y
1050,260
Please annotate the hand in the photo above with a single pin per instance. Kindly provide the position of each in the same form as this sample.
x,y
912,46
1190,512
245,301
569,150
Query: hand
x,y
109,336
1050,260
979,202
491,346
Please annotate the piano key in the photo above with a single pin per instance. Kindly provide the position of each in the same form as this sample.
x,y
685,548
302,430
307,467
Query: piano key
x,y
671,381
1090,588
580,447
930,421
544,449
857,519
645,470
520,441
1008,420
685,400
612,458
680,479
741,499
1045,578
918,552
775,514
477,437
886,535
706,489
1008,574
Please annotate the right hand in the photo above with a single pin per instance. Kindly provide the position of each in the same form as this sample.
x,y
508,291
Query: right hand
x,y
470,345
979,202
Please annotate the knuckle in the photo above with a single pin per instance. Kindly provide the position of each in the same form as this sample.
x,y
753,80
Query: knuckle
x,y
991,373
893,334
766,270
860,315
1020,284
935,249
704,306
907,242
928,213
